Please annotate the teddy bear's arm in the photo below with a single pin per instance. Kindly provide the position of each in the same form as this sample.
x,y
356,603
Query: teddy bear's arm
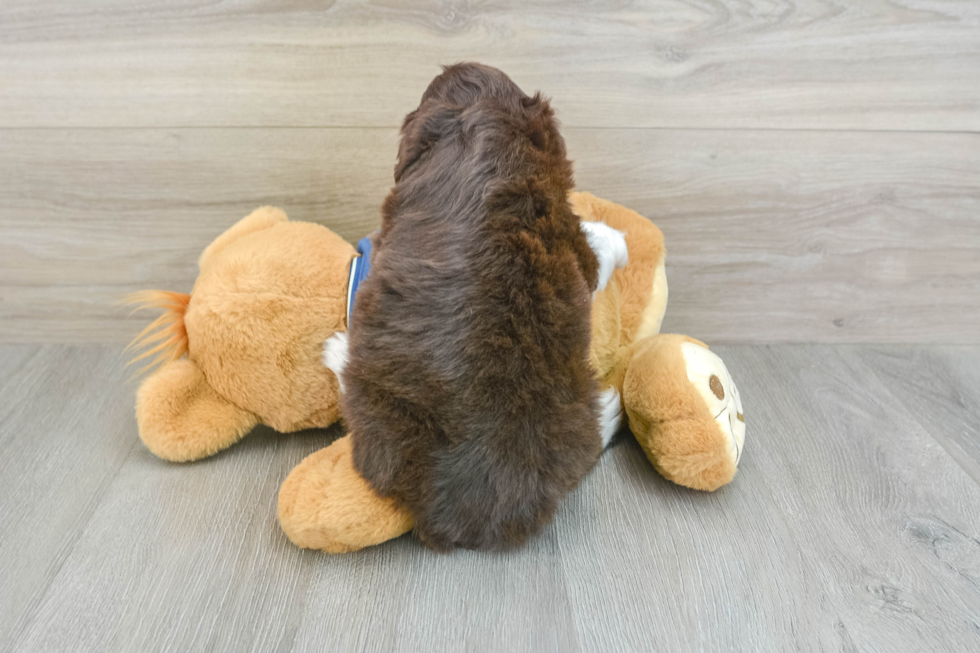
x,y
182,418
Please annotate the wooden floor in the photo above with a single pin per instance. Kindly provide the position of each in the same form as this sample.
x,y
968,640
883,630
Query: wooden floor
x,y
852,525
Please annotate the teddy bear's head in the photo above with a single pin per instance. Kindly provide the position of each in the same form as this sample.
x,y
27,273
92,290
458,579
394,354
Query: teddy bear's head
x,y
246,343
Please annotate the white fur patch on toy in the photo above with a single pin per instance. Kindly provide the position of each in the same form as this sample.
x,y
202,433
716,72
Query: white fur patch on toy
x,y
335,355
610,414
609,246
708,373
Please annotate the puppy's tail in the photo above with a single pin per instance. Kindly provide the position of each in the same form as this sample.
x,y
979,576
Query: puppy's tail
x,y
165,336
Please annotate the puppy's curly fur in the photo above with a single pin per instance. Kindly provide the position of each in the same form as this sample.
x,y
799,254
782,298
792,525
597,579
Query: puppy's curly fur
x,y
469,394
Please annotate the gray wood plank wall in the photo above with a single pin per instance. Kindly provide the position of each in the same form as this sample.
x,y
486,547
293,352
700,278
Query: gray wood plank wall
x,y
815,167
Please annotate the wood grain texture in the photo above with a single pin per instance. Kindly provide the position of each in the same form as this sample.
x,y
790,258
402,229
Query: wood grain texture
x,y
847,528
772,236
804,236
94,214
66,426
852,64
940,388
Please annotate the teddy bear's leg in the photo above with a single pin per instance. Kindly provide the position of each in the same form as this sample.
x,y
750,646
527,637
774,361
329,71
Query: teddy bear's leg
x,y
182,418
326,504
685,410
326,386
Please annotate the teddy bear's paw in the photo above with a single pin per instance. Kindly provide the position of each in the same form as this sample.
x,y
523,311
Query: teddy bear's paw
x,y
609,246
335,355
610,414
707,372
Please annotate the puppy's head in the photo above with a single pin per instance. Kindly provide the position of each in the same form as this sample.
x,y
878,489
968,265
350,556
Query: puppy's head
x,y
470,97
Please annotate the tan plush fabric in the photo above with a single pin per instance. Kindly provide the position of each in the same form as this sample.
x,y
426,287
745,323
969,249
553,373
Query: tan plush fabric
x,y
325,504
182,418
670,419
259,314
258,220
606,330
636,282
666,412
269,293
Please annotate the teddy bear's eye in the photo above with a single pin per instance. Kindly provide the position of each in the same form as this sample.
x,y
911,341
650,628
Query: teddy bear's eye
x,y
716,387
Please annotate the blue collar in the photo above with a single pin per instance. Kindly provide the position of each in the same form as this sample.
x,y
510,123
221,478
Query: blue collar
x,y
360,267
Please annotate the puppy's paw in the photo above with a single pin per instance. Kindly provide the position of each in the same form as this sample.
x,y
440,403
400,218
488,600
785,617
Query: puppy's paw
x,y
610,415
609,246
335,355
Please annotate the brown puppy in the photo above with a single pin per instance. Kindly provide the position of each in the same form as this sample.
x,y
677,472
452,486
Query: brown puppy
x,y
468,390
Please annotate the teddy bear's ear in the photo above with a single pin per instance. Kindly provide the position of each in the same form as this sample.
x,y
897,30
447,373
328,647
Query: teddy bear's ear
x,y
182,418
261,218
422,129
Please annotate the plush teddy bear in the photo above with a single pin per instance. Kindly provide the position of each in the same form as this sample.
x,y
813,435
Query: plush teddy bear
x,y
246,347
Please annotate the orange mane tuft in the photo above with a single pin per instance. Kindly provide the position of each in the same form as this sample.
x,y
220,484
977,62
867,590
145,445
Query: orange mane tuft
x,y
167,333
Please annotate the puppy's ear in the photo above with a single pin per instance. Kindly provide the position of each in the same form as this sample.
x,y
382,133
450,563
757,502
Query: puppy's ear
x,y
422,129
540,121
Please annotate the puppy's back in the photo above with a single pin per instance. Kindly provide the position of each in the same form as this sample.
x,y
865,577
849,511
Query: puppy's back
x,y
469,394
